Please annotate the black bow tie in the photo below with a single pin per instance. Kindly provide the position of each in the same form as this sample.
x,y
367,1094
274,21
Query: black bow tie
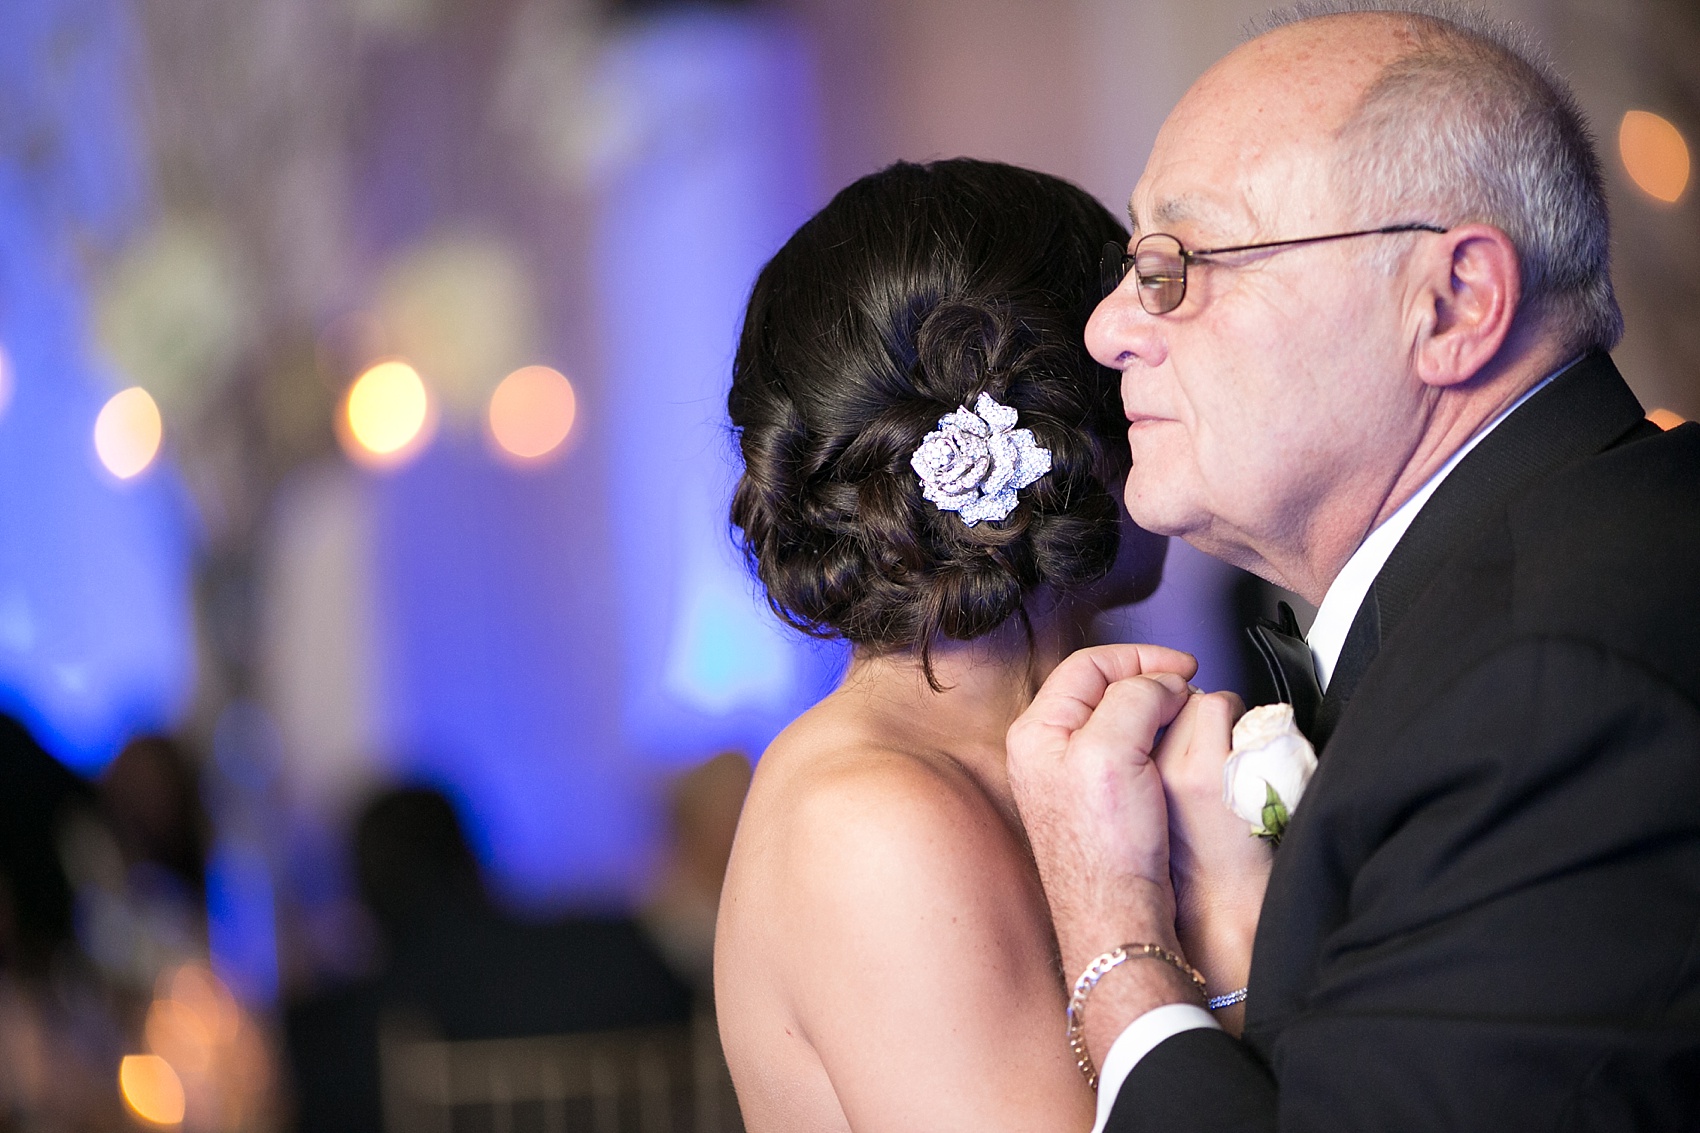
x,y
1291,668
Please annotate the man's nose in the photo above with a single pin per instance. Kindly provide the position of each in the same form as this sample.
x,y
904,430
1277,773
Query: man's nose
x,y
1121,335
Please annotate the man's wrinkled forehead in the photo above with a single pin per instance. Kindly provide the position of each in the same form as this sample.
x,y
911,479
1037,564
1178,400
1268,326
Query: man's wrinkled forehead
x,y
1184,210
1240,195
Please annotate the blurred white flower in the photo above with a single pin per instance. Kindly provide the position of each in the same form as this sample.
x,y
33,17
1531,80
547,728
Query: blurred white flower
x,y
462,308
174,313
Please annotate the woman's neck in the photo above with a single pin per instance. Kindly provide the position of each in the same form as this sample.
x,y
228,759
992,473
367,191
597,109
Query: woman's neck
x,y
984,684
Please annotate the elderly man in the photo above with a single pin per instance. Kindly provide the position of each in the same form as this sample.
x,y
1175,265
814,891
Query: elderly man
x,y
1362,333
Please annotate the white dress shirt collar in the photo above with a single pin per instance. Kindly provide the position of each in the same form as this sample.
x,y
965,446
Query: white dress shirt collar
x,y
1346,593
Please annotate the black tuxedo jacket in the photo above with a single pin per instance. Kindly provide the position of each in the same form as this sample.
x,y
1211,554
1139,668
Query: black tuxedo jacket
x,y
1486,913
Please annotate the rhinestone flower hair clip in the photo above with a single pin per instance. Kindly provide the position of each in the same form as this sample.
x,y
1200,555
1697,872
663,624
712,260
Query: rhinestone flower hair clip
x,y
976,459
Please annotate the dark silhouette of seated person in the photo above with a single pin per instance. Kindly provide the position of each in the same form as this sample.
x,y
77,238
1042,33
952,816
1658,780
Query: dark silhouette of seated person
x,y
457,967
36,794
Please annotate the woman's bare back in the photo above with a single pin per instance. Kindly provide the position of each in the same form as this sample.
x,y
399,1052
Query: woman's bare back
x,y
885,959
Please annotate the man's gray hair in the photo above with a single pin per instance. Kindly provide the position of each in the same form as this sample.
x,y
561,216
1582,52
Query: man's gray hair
x,y
1473,124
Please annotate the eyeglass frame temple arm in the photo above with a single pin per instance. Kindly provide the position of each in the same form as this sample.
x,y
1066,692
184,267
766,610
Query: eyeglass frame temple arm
x,y
1189,254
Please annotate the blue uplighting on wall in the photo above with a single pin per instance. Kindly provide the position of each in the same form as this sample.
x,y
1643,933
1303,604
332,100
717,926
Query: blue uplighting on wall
x,y
242,921
94,575
554,641
726,169
498,666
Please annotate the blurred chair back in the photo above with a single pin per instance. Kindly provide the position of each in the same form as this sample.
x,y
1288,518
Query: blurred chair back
x,y
669,1078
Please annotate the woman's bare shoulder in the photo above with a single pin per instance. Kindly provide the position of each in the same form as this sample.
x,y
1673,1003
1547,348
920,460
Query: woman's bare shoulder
x,y
831,784
850,829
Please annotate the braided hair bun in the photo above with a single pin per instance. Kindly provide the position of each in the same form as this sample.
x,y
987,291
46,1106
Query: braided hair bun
x,y
914,291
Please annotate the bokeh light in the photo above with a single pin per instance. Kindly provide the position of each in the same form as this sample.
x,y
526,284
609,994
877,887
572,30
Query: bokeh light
x,y
151,1089
196,1028
386,414
127,432
1654,154
532,412
178,1034
207,997
1665,419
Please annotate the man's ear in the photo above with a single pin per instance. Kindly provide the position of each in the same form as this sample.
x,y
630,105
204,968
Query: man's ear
x,y
1470,295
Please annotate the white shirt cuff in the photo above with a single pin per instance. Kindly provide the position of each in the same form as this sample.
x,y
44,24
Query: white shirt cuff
x,y
1138,1040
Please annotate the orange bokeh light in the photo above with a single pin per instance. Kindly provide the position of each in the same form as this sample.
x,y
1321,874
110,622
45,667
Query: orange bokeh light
x,y
151,1089
386,416
177,1033
1665,419
127,432
532,412
196,987
1655,155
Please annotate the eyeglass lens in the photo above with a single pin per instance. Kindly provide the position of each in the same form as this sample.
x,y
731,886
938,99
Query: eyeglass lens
x,y
1159,267
1159,264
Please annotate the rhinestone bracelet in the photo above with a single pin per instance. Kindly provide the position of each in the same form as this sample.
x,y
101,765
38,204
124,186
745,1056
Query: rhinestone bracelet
x,y
1096,971
1217,1002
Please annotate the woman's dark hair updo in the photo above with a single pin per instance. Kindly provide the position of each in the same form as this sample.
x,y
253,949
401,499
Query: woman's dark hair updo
x,y
914,291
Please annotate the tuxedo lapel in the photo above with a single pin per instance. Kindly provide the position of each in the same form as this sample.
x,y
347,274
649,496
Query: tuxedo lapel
x,y
1584,410
1292,670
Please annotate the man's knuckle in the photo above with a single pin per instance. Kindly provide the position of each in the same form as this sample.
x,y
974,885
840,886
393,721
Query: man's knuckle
x,y
1132,690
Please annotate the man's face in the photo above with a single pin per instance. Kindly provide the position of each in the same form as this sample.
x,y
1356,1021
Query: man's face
x,y
1281,381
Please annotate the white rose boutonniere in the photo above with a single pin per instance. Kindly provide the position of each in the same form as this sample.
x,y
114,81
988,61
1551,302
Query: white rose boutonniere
x,y
1267,773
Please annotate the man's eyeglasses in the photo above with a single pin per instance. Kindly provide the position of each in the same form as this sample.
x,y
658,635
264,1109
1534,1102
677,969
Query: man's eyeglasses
x,y
1159,262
